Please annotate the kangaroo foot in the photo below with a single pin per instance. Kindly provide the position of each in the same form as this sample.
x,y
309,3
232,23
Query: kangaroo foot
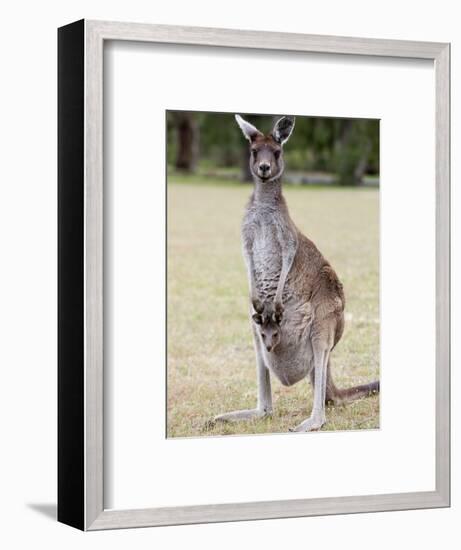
x,y
312,424
246,414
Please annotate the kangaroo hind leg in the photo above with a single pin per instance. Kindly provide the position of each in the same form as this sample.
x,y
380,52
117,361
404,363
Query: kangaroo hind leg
x,y
331,393
319,378
264,406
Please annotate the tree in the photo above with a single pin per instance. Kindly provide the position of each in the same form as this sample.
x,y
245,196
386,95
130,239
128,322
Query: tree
x,y
352,151
187,133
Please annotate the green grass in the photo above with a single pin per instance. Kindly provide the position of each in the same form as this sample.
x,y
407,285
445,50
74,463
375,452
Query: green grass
x,y
211,362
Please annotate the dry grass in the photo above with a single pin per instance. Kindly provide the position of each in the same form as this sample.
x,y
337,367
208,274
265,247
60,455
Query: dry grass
x,y
211,363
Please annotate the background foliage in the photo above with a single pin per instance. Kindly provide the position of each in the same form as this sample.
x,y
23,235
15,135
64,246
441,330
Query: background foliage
x,y
321,150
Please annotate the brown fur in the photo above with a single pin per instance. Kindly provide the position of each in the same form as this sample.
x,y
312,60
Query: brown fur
x,y
289,275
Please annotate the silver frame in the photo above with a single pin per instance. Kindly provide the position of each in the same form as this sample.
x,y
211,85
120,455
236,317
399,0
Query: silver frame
x,y
95,33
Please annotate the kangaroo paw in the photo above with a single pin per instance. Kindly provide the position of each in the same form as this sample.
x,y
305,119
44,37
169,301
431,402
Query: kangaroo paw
x,y
257,304
278,312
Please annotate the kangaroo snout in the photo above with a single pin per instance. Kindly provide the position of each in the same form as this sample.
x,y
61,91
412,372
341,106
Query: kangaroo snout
x,y
264,169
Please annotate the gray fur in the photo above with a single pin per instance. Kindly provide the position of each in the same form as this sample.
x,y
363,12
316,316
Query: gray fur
x,y
288,274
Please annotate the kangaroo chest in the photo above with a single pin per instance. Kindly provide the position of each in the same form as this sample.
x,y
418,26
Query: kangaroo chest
x,y
264,231
267,259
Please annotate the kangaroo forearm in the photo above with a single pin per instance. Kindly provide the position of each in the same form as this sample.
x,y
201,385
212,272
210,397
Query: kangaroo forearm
x,y
252,283
281,286
254,296
287,264
247,253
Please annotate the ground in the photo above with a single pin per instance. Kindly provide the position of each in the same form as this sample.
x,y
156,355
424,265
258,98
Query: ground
x,y
210,359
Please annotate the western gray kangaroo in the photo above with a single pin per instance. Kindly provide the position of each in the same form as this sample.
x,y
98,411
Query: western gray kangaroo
x,y
297,298
268,321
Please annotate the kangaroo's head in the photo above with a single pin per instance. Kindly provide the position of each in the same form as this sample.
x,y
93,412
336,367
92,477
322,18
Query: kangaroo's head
x,y
266,151
268,323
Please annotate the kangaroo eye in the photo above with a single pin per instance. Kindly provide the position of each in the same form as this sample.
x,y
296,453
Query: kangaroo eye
x,y
276,334
276,154
263,335
255,153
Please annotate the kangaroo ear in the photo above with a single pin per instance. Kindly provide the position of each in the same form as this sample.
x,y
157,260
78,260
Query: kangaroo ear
x,y
257,318
283,128
249,131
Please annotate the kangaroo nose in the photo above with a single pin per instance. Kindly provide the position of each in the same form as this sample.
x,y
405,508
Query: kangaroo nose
x,y
264,166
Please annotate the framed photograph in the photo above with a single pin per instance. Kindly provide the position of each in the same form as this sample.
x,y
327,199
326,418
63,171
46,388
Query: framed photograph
x,y
254,251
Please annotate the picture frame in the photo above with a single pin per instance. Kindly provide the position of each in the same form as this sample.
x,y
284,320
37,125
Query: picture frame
x,y
80,270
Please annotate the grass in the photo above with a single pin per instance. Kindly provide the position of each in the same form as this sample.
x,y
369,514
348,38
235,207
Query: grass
x,y
211,363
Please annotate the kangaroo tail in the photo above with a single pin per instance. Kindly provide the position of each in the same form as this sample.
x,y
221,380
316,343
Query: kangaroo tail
x,y
338,396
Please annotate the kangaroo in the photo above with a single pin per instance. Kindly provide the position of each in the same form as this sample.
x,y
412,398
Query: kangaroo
x,y
268,321
295,295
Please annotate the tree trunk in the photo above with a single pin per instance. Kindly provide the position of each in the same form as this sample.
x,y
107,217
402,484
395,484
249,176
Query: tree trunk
x,y
352,153
188,137
362,164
